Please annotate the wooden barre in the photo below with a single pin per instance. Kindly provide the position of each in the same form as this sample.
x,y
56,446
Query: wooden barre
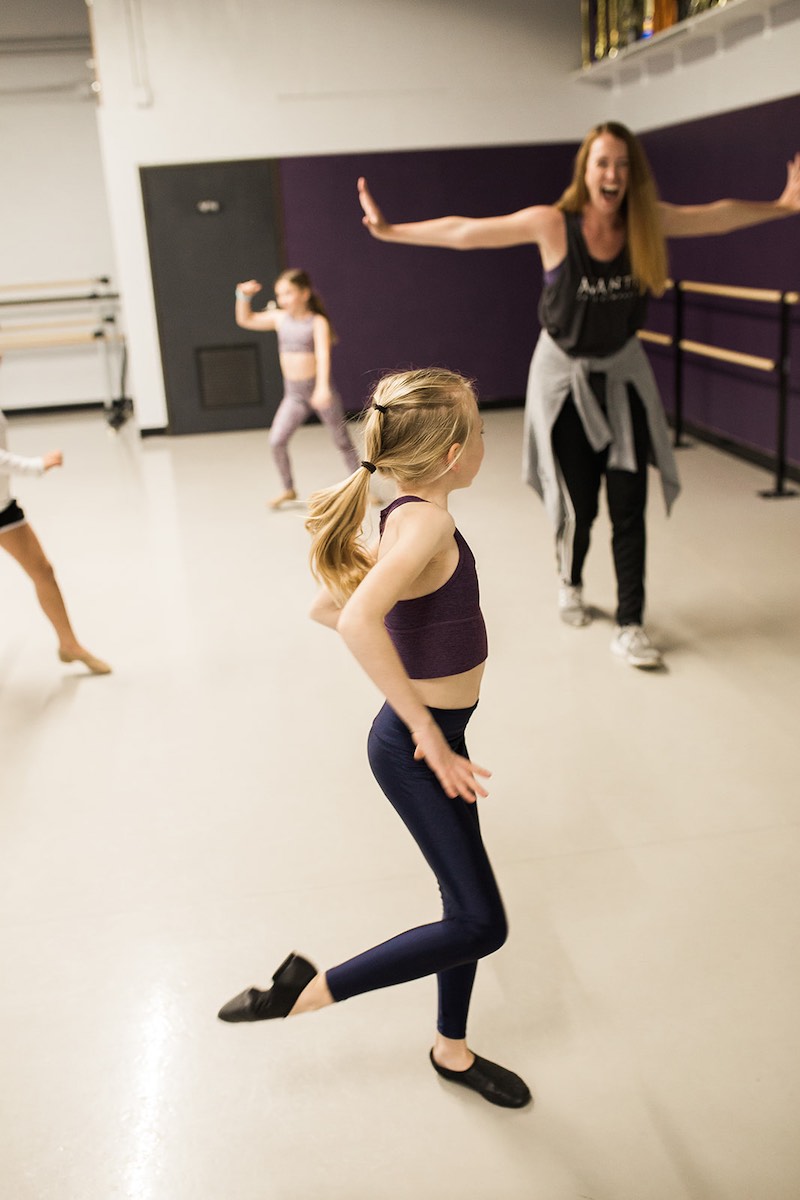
x,y
51,285
765,295
770,295
34,343
731,356
12,327
661,339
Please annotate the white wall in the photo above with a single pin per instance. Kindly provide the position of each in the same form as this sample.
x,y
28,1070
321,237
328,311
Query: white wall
x,y
734,57
54,222
260,79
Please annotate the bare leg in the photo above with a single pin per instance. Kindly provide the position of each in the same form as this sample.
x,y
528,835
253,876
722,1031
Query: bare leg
x,y
314,995
23,545
453,1054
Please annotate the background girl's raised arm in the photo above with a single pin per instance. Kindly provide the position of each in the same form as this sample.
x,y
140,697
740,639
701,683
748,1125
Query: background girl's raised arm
x,y
724,216
245,317
527,226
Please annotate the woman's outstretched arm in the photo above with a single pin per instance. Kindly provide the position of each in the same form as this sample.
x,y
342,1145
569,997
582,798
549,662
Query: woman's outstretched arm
x,y
528,226
725,216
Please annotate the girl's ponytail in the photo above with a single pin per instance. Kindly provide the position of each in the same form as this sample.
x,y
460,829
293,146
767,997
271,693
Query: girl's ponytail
x,y
339,558
414,419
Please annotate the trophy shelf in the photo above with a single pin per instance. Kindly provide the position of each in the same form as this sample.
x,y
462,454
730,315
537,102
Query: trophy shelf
x,y
663,51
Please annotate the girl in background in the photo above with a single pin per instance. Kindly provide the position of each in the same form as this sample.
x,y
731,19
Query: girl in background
x,y
411,617
305,338
19,540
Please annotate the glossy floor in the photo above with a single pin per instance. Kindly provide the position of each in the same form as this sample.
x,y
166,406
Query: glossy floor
x,y
170,832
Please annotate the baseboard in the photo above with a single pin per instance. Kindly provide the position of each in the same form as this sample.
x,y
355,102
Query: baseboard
x,y
757,457
47,410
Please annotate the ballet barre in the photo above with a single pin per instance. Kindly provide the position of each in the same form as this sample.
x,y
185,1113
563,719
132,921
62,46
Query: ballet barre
x,y
62,326
89,309
53,285
80,298
779,366
55,340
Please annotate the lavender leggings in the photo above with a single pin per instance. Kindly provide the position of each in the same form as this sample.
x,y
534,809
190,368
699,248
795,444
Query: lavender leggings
x,y
293,410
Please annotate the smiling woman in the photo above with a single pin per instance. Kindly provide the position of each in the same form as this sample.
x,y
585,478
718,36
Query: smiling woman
x,y
593,411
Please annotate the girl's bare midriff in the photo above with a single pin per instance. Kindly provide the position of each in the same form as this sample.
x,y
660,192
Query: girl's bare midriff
x,y
298,365
451,691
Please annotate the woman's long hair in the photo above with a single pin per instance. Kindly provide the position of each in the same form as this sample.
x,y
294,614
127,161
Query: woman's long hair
x,y
646,244
421,415
316,304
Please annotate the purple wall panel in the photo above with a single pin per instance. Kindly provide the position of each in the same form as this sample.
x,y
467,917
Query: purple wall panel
x,y
401,306
742,154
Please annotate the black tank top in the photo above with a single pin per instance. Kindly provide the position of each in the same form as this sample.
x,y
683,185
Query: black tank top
x,y
590,308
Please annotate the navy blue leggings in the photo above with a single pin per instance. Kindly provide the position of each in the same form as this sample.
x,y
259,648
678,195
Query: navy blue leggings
x,y
447,832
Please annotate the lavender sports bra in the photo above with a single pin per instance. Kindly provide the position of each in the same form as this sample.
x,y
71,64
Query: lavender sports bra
x,y
442,633
296,336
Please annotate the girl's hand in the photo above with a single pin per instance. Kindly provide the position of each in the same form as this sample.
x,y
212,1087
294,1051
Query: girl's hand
x,y
373,218
251,287
790,196
54,459
457,775
320,399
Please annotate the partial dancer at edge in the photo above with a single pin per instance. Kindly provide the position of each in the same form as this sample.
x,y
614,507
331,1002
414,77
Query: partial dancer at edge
x,y
593,408
305,338
17,537
412,619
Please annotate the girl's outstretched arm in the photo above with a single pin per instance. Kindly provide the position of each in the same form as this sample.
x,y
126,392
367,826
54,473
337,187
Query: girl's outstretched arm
x,y
420,537
245,317
20,464
724,216
528,226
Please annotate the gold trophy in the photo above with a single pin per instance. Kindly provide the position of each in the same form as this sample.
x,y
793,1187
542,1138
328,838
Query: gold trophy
x,y
601,33
586,35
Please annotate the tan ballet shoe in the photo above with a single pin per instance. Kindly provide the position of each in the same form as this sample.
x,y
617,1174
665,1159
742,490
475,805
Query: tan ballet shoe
x,y
284,498
95,665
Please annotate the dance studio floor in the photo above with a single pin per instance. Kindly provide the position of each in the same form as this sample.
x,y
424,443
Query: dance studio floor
x,y
170,832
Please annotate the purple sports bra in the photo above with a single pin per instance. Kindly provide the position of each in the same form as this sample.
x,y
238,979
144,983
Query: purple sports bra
x,y
296,336
442,633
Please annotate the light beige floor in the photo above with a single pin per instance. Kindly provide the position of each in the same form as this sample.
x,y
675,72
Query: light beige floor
x,y
170,832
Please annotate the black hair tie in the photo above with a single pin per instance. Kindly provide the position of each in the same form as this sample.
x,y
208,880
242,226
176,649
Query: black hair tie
x,y
380,407
370,467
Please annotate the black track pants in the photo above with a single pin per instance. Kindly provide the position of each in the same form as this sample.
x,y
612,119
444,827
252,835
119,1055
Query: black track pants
x,y
580,471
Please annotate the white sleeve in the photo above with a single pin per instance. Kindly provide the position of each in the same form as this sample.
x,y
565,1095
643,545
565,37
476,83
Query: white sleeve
x,y
15,464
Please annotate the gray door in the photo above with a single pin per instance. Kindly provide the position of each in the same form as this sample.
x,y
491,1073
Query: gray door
x,y
210,225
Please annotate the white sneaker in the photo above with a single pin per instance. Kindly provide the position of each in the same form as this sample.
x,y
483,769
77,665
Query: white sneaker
x,y
632,643
571,608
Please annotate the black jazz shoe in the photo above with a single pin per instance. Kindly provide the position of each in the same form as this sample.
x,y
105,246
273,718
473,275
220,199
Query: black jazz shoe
x,y
291,977
495,1084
